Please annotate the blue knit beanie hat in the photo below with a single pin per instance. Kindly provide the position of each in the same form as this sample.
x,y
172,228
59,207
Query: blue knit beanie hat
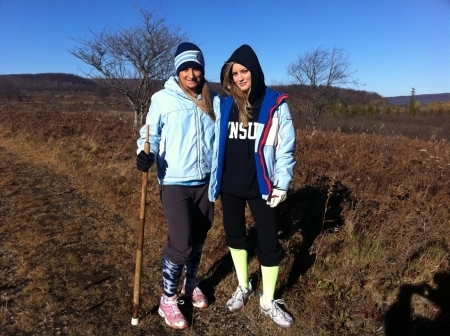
x,y
188,55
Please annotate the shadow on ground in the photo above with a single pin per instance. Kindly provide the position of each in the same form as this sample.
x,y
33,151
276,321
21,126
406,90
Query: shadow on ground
x,y
401,320
303,213
307,214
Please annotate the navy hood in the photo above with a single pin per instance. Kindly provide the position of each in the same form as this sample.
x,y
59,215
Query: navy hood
x,y
245,56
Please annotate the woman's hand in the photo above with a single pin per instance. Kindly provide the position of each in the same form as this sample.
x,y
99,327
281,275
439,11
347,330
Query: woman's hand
x,y
278,195
144,161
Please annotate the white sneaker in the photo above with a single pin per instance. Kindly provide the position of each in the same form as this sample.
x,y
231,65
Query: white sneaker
x,y
239,297
278,315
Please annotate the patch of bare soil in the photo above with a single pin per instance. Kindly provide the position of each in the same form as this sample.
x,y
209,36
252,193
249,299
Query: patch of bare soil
x,y
57,269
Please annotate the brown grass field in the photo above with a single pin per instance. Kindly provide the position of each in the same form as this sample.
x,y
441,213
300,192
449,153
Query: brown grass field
x,y
366,229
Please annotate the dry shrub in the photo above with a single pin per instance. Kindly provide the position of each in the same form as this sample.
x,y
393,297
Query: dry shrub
x,y
395,220
422,126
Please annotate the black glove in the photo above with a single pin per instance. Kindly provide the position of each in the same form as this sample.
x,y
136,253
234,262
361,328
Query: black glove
x,y
144,161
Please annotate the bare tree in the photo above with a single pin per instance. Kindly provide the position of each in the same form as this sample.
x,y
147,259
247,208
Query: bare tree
x,y
132,61
319,71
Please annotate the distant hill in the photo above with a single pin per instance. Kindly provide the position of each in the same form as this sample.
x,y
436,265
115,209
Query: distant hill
x,y
424,99
58,91
47,82
15,84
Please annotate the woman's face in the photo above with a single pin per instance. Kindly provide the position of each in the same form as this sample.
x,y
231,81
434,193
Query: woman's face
x,y
190,78
241,77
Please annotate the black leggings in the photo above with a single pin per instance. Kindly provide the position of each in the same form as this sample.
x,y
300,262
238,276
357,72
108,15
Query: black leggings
x,y
189,216
268,248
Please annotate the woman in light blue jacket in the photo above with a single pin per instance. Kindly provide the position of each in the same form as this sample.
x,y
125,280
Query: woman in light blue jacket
x,y
181,122
253,164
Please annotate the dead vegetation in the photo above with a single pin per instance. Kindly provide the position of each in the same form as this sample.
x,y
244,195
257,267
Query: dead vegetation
x,y
366,229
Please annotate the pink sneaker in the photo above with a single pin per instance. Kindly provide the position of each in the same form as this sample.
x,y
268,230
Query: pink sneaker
x,y
168,308
199,299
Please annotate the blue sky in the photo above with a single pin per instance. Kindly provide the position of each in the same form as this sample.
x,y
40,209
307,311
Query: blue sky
x,y
394,45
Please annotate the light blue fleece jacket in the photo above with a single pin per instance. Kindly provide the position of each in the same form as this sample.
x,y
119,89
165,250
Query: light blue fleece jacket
x,y
181,136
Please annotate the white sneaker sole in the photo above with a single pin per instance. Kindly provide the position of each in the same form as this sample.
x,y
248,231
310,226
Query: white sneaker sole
x,y
174,326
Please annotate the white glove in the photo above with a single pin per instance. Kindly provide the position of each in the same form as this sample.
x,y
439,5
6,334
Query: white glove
x,y
277,196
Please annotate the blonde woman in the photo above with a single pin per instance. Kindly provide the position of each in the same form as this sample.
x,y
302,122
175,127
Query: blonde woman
x,y
181,120
255,142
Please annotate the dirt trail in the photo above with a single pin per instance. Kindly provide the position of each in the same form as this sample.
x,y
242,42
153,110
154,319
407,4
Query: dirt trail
x,y
61,254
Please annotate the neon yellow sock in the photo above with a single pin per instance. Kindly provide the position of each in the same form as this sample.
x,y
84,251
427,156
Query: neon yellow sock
x,y
269,279
240,264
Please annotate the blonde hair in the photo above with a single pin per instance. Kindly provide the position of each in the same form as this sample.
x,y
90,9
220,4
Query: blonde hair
x,y
205,104
239,96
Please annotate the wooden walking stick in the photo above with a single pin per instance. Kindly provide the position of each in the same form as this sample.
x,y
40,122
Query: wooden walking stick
x,y
140,245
